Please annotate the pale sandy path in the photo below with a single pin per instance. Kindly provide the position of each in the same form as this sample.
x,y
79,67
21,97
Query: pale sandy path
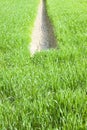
x,y
42,37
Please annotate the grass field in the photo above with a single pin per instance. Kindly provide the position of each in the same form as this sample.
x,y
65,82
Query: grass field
x,y
47,91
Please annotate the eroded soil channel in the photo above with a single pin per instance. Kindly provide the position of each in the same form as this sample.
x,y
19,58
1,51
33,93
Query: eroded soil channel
x,y
43,37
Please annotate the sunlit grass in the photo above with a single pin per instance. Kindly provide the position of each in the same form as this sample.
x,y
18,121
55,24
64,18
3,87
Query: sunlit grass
x,y
49,90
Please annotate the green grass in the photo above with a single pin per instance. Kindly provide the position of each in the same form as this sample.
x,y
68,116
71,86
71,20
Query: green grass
x,y
47,91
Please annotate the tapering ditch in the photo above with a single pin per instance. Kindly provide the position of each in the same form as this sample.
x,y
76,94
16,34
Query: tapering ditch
x,y
43,37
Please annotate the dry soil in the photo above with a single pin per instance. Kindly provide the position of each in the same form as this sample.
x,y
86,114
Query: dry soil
x,y
43,37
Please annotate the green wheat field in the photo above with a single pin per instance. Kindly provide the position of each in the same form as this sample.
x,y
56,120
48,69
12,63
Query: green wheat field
x,y
49,90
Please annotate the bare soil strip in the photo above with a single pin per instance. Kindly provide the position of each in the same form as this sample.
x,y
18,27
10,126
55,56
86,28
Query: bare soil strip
x,y
43,37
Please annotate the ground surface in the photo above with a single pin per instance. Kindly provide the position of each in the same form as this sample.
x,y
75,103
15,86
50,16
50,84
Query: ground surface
x,y
43,36
49,90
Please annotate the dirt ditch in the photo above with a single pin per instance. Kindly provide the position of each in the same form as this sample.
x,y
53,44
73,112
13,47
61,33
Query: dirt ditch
x,y
43,37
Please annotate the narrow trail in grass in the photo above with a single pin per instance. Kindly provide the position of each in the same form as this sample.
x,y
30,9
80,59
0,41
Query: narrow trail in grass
x,y
43,37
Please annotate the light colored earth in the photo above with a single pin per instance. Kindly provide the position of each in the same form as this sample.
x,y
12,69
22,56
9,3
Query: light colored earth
x,y
43,35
